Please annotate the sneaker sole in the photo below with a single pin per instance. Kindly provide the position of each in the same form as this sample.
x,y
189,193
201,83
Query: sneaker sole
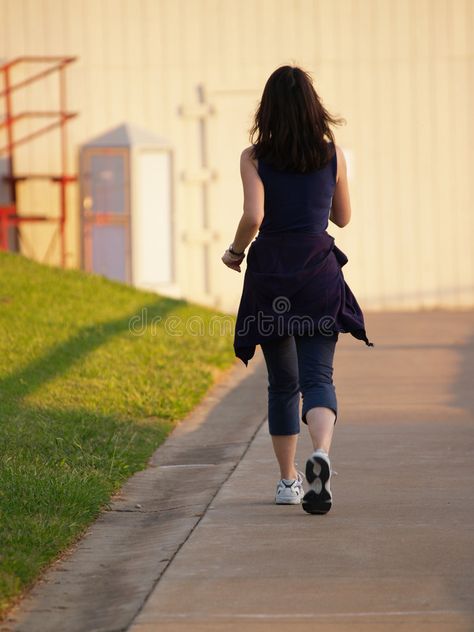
x,y
313,502
292,501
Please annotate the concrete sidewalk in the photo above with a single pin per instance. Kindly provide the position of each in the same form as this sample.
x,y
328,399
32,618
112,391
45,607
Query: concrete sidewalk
x,y
395,552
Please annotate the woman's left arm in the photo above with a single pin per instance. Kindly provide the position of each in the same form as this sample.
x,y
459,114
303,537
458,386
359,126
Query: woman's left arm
x,y
253,210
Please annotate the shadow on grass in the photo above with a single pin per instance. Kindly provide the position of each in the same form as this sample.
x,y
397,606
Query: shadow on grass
x,y
59,467
61,357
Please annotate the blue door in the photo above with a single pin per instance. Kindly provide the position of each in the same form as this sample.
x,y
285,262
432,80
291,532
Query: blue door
x,y
105,192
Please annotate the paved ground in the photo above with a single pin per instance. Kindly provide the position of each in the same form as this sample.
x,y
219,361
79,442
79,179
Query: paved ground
x,y
394,553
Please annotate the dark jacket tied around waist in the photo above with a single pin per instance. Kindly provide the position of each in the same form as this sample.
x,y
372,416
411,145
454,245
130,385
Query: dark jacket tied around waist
x,y
293,283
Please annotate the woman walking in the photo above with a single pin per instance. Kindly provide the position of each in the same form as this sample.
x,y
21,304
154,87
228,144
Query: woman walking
x,y
295,301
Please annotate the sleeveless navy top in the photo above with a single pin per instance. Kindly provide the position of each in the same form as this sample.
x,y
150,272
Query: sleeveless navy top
x,y
293,283
297,201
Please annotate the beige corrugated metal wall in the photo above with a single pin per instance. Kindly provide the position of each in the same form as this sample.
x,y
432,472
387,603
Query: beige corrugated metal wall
x,y
399,71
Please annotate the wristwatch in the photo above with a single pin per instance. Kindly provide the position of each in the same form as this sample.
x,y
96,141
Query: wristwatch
x,y
232,251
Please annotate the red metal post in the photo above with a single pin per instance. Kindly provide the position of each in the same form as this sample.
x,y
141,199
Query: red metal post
x,y
9,125
11,211
62,184
9,214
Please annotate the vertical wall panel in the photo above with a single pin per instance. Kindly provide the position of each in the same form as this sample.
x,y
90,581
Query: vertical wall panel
x,y
400,72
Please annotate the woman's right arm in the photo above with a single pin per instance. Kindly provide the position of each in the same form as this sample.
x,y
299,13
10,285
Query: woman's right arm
x,y
341,205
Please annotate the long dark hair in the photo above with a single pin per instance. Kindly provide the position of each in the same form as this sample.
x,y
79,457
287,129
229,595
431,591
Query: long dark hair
x,y
291,124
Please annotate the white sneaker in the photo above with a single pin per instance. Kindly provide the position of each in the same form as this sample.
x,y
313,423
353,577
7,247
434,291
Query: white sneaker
x,y
289,491
318,500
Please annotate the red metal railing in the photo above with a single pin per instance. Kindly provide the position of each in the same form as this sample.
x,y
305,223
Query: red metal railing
x,y
9,215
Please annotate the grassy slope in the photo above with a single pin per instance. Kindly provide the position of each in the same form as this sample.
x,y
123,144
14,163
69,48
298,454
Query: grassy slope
x,y
83,402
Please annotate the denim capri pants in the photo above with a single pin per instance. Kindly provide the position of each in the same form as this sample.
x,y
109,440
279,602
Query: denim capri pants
x,y
299,363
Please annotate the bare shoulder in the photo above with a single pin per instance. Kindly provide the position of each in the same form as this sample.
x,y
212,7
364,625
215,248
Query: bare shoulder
x,y
247,157
341,162
340,154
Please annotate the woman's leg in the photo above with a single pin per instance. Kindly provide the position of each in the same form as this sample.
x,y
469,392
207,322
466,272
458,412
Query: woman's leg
x,y
315,362
321,427
283,401
284,447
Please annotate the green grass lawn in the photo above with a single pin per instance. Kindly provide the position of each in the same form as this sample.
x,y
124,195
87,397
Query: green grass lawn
x,y
83,401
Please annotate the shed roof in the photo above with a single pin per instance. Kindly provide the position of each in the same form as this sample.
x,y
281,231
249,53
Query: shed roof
x,y
127,135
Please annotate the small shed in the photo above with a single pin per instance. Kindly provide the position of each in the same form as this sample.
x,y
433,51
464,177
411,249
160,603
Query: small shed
x,y
126,208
